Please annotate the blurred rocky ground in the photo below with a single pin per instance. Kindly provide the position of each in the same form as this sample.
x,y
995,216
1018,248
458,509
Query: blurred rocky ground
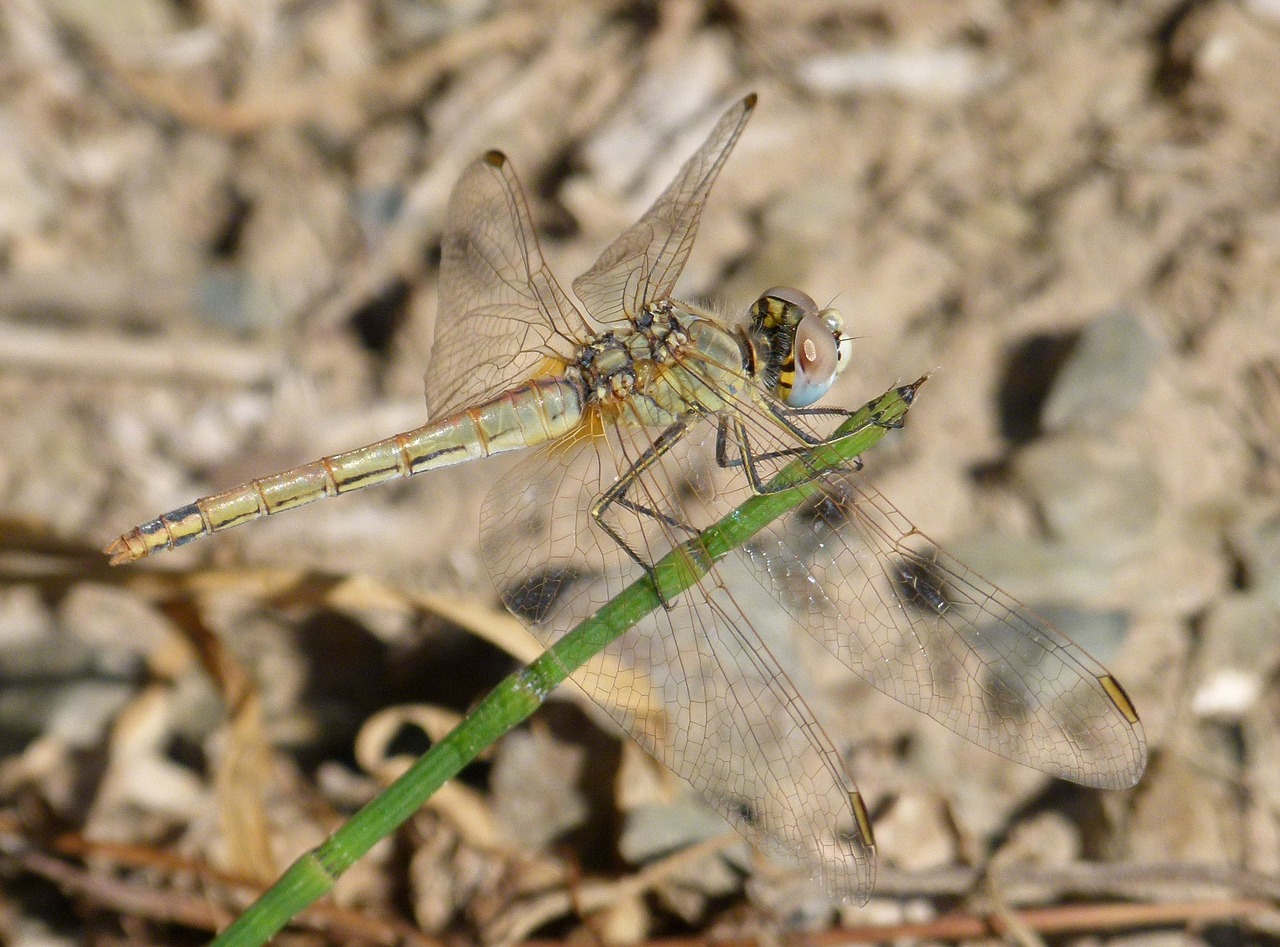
x,y
219,247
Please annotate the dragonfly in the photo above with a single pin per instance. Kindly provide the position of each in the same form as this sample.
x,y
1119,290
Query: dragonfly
x,y
641,418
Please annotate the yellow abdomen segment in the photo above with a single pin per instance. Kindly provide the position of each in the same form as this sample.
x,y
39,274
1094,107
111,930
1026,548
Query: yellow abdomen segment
x,y
541,411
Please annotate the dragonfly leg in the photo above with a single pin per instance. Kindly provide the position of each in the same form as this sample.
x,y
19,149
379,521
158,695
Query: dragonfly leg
x,y
724,461
749,460
746,459
784,415
785,412
617,495
878,420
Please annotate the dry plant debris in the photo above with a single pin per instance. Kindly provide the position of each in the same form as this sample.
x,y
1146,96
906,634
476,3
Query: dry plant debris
x,y
218,240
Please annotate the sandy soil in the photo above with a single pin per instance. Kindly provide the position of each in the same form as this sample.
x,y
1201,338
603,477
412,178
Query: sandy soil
x,y
219,244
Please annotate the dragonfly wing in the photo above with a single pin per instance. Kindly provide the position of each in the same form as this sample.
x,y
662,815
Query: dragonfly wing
x,y
502,313
695,683
644,262
925,629
922,627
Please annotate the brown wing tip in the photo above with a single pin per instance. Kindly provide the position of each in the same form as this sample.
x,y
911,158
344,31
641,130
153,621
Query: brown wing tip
x,y
494,158
1119,698
862,822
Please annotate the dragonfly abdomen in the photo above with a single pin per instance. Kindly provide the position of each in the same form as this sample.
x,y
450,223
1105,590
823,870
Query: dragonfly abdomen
x,y
540,411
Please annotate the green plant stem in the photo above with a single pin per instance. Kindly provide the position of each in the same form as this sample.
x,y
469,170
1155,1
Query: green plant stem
x,y
518,696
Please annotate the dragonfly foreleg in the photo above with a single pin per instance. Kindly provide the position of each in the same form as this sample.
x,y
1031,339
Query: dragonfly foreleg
x,y
617,495
785,414
749,460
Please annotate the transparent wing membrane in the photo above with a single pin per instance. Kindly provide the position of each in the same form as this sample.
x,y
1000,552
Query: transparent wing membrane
x,y
706,684
920,626
923,628
643,264
700,685
502,314
695,684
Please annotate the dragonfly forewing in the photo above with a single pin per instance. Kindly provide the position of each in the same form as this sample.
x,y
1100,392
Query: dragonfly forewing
x,y
502,315
642,265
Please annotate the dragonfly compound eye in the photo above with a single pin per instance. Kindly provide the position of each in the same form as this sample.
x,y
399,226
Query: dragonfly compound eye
x,y
796,303
814,363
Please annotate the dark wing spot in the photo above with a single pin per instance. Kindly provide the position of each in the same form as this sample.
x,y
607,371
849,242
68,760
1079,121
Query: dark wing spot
x,y
920,584
1004,699
744,810
826,511
534,598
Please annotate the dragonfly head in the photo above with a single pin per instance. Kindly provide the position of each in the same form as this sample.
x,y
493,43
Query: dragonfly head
x,y
803,348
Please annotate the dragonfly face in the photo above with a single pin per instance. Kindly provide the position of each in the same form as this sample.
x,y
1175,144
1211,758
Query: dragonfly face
x,y
641,420
799,348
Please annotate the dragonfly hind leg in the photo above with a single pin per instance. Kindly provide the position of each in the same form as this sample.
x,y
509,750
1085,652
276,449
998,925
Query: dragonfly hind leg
x,y
617,495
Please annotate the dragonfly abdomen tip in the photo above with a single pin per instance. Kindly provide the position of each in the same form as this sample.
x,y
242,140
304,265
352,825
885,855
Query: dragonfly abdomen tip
x,y
126,548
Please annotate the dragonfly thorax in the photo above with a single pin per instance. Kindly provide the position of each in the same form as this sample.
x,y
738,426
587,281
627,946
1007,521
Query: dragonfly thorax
x,y
605,366
663,333
613,366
